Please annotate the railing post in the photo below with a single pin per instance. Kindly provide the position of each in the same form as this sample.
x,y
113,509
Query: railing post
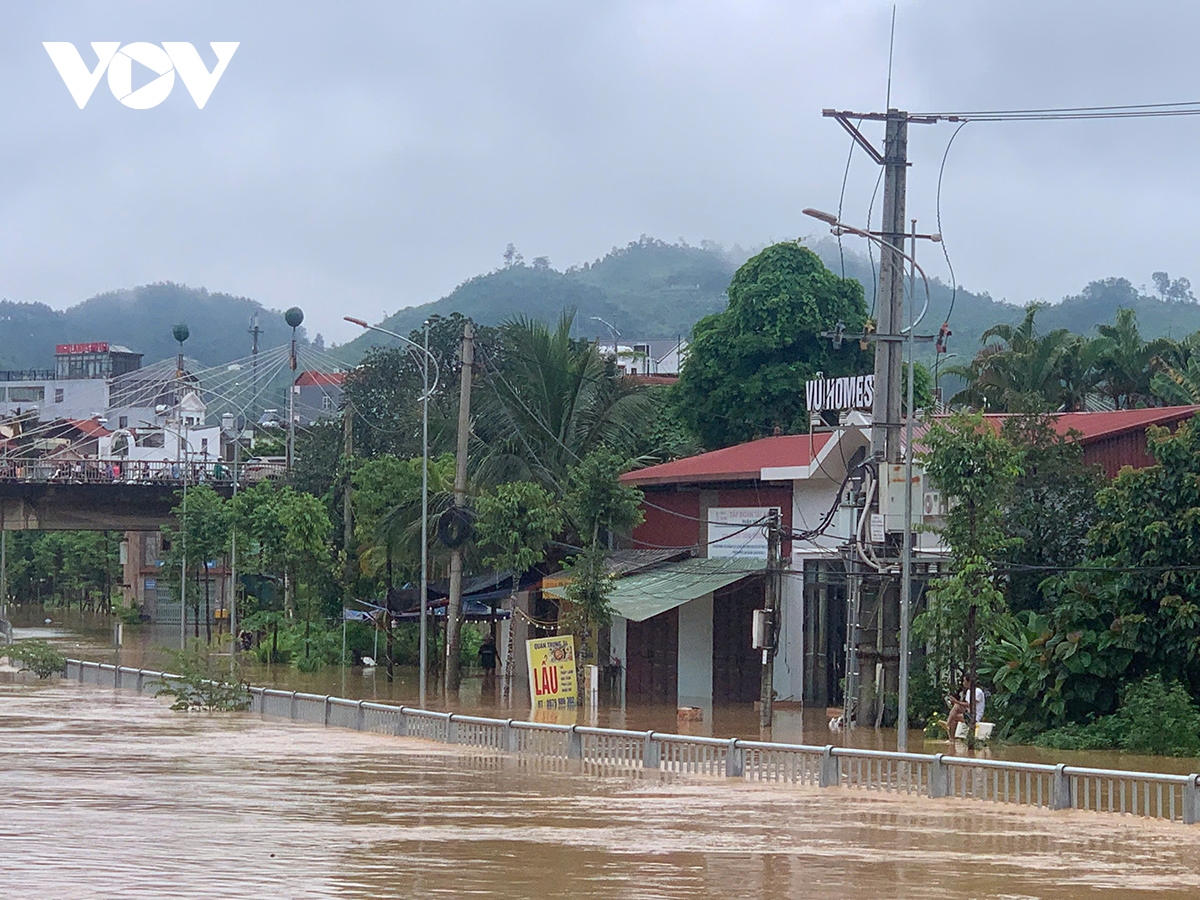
x,y
1060,790
401,723
939,777
292,708
328,705
574,744
360,718
651,752
512,739
735,760
829,774
1191,801
116,678
451,729
141,679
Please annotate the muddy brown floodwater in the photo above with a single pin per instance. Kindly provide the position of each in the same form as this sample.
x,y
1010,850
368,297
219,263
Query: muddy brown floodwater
x,y
107,794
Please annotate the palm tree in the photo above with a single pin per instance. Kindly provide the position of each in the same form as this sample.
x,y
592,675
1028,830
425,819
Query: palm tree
x,y
1126,363
1176,378
1024,370
549,402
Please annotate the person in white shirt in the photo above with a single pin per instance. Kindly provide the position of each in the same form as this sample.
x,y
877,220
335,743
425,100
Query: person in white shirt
x,y
958,707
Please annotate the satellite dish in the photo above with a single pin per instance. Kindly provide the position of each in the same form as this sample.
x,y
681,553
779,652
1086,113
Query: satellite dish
x,y
294,316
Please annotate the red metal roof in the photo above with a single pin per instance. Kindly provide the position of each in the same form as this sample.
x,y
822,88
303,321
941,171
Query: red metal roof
x,y
738,463
320,379
90,427
1092,426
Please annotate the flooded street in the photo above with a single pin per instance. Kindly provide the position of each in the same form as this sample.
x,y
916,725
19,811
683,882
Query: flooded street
x,y
84,637
109,794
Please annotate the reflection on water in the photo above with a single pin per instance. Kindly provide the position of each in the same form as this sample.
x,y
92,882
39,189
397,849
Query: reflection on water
x,y
90,637
110,794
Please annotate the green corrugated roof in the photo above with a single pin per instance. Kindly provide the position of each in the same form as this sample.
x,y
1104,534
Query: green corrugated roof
x,y
646,594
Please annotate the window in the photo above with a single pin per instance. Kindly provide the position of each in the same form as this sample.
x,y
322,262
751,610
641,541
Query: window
x,y
123,421
26,394
58,395
204,443
327,402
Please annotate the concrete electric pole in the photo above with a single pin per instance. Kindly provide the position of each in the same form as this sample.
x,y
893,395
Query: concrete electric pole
x,y
454,608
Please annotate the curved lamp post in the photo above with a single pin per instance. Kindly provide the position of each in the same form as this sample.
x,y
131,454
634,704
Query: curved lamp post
x,y
427,358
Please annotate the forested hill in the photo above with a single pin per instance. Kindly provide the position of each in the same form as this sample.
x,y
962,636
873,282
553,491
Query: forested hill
x,y
647,289
651,289
141,319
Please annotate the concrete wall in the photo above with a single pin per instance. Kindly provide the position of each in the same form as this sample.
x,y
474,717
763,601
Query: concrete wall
x,y
696,652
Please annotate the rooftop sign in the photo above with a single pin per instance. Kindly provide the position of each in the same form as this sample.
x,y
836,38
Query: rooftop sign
x,y
89,347
848,392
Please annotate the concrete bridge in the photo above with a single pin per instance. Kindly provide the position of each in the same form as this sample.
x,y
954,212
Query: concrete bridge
x,y
97,496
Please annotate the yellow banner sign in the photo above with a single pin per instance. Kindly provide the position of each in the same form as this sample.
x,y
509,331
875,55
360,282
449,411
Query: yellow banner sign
x,y
552,672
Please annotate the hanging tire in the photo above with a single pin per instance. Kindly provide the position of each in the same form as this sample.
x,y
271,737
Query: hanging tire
x,y
454,527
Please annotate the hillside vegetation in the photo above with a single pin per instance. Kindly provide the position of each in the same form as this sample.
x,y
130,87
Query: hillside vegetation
x,y
141,319
647,289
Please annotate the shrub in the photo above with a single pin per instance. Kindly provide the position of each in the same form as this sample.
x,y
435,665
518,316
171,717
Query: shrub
x,y
203,683
1155,717
39,657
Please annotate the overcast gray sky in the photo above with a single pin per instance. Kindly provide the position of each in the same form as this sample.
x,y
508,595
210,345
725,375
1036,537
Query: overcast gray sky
x,y
359,157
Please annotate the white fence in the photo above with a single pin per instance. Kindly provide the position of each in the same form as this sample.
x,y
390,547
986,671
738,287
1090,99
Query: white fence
x,y
613,751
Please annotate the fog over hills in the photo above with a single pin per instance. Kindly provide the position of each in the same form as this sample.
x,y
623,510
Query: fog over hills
x,y
647,289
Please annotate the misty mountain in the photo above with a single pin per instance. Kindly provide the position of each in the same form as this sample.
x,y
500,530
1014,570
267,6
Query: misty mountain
x,y
141,319
646,289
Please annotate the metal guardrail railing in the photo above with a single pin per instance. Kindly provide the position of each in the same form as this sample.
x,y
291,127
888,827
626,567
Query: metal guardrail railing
x,y
613,751
41,469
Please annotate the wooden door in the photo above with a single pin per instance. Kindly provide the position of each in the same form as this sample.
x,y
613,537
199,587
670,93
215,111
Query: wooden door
x,y
652,659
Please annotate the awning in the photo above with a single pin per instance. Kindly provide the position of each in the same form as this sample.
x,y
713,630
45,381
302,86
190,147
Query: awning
x,y
646,594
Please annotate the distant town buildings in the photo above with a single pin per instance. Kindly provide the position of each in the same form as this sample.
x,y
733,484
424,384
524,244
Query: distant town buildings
x,y
318,396
646,357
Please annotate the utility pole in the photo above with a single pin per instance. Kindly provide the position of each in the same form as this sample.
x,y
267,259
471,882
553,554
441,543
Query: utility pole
x,y
454,609
885,415
347,510
774,584
254,332
233,619
294,317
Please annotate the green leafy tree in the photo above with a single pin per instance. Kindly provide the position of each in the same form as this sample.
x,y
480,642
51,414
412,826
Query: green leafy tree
x,y
746,367
974,468
516,523
201,534
598,505
1049,509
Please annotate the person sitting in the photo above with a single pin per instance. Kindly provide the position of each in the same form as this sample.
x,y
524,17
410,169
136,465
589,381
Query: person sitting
x,y
958,707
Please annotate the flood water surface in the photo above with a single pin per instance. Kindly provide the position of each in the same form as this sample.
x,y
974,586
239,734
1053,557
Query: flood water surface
x,y
108,794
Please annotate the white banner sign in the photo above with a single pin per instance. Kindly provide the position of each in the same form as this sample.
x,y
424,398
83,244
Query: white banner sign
x,y
849,392
738,532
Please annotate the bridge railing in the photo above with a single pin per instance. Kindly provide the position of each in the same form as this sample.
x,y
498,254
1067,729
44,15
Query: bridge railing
x,y
609,751
41,470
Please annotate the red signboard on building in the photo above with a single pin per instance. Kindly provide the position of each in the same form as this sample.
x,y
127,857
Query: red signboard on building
x,y
90,347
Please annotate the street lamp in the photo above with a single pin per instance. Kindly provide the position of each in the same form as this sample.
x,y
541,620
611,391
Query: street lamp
x,y
437,375
611,327
906,553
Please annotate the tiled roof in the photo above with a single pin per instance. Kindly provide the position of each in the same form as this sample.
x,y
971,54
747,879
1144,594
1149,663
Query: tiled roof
x,y
738,463
311,378
90,427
